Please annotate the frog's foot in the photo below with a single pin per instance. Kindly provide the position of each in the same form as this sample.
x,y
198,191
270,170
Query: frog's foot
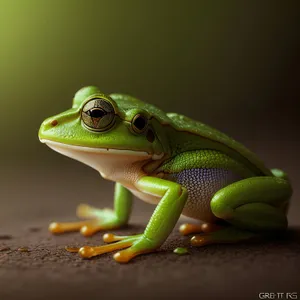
x,y
226,235
186,229
136,244
98,220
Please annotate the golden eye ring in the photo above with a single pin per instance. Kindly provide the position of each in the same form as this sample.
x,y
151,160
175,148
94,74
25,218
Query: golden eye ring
x,y
98,114
139,123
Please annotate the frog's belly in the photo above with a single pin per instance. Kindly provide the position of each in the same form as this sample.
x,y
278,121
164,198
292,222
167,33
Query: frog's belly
x,y
201,184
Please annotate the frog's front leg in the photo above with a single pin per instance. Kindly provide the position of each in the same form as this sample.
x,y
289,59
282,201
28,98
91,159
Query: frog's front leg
x,y
173,198
252,207
99,219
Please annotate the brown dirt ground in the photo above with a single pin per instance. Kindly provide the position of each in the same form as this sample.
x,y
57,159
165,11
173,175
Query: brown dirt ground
x,y
47,271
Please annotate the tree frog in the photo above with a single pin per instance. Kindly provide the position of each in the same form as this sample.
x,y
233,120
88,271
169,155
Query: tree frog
x,y
167,159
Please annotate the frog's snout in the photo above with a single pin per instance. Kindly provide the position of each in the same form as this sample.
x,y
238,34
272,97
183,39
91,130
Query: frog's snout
x,y
47,125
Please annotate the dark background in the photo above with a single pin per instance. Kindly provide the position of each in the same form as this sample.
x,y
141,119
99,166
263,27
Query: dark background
x,y
232,64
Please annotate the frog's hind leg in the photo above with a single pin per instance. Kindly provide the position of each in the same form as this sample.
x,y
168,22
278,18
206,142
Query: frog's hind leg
x,y
227,235
254,207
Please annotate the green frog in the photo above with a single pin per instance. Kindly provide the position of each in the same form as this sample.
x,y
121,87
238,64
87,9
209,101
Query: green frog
x,y
182,166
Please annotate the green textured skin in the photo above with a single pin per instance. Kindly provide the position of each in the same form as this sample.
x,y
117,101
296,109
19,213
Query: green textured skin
x,y
167,211
70,131
203,159
253,205
180,122
109,219
122,204
175,133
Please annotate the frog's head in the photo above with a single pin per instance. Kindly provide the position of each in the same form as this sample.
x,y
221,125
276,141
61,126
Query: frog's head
x,y
117,124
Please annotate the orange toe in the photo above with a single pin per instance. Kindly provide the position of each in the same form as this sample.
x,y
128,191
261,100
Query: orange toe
x,y
187,228
87,252
89,230
64,227
124,256
200,240
210,227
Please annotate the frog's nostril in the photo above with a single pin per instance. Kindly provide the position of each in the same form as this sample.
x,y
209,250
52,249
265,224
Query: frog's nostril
x,y
54,122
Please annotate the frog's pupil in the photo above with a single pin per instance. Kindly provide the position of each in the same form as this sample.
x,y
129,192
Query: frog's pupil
x,y
140,123
96,113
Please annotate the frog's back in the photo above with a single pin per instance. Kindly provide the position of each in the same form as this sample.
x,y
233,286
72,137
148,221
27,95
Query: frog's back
x,y
183,123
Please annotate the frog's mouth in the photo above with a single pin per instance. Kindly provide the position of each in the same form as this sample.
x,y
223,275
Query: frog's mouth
x,y
53,145
106,161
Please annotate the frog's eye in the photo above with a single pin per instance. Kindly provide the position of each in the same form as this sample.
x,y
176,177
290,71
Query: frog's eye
x,y
98,114
139,123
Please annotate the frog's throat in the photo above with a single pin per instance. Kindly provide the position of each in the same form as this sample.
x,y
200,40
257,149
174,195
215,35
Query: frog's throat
x,y
113,164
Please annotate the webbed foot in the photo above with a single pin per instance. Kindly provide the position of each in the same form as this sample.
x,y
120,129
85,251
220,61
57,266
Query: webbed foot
x,y
135,244
97,220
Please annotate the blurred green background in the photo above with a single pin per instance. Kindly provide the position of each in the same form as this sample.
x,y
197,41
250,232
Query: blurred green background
x,y
217,61
232,64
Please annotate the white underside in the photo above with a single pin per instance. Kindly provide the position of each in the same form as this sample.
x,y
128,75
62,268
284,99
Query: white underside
x,y
113,164
123,166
